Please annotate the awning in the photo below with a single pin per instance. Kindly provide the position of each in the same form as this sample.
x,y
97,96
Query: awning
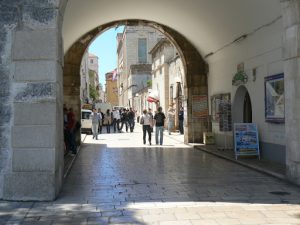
x,y
153,96
150,99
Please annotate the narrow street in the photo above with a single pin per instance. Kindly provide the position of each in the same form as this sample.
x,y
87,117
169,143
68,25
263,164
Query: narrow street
x,y
118,180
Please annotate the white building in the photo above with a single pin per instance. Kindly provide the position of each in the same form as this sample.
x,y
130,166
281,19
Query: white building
x,y
134,45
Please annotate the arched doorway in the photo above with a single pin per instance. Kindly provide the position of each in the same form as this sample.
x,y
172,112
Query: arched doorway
x,y
247,112
242,107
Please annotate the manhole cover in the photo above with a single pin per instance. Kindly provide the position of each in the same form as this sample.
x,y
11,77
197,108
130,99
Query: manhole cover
x,y
279,193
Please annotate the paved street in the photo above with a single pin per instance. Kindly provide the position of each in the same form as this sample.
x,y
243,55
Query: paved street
x,y
118,180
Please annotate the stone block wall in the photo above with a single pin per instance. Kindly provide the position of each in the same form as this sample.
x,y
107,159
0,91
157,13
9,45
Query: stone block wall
x,y
31,143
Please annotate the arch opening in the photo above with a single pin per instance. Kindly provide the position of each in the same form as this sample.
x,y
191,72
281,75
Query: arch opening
x,y
195,72
242,100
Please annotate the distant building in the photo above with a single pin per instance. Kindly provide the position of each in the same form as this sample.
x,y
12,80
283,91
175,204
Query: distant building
x,y
89,87
133,49
84,80
167,76
111,89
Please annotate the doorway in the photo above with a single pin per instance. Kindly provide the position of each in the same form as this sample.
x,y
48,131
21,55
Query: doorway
x,y
242,107
247,112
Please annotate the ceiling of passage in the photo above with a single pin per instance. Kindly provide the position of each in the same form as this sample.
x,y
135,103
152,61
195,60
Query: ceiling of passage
x,y
208,24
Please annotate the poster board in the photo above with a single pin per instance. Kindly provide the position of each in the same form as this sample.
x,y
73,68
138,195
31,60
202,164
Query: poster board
x,y
274,98
246,140
199,106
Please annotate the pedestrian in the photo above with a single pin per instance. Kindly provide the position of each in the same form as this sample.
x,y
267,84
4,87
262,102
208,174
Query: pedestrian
x,y
146,121
96,118
107,120
159,119
71,131
171,119
180,119
124,120
116,119
101,121
66,134
151,115
131,117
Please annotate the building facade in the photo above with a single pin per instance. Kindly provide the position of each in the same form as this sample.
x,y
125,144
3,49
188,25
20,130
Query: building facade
x,y
133,48
89,77
111,90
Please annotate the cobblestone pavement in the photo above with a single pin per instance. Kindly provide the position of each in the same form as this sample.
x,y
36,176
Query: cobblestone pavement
x,y
118,180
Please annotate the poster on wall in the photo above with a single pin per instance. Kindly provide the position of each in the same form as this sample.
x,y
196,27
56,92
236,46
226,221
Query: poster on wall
x,y
274,98
225,121
199,106
246,139
216,101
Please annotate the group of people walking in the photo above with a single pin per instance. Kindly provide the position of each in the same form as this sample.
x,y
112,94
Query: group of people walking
x,y
148,121
125,118
115,119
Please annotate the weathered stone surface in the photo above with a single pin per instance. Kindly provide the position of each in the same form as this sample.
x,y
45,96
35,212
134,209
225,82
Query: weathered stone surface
x,y
33,136
35,70
18,187
34,160
4,131
5,114
4,88
39,17
40,44
4,156
36,91
43,113
292,42
9,13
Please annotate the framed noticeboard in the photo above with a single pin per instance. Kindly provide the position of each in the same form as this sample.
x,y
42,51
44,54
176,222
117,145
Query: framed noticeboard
x,y
274,98
216,100
199,106
246,139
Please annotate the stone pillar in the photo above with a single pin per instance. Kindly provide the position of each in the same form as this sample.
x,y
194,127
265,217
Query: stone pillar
x,y
291,56
195,126
35,166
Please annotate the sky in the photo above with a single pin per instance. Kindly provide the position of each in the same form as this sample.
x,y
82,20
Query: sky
x,y
105,47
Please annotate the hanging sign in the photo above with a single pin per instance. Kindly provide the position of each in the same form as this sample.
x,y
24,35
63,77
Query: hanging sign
x,y
246,139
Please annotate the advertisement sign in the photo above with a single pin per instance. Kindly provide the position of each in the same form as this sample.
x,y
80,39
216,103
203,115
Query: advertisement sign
x,y
246,139
274,98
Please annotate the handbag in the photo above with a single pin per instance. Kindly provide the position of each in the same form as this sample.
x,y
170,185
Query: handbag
x,y
142,120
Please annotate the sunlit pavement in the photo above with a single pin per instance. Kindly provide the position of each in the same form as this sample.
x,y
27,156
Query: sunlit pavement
x,y
119,180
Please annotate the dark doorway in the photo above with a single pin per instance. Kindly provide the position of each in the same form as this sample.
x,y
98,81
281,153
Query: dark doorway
x,y
247,115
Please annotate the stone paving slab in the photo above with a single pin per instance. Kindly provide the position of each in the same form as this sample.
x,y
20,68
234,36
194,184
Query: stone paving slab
x,y
118,180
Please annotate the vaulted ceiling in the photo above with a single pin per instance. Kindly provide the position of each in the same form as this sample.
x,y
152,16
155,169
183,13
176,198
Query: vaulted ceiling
x,y
207,24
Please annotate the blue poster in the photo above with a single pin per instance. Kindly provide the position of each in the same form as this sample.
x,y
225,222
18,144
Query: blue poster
x,y
246,139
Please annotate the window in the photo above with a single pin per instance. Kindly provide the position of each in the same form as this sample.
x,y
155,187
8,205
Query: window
x,y
142,50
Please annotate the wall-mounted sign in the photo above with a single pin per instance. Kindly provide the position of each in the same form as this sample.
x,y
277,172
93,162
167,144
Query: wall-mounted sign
x,y
239,78
246,139
274,98
200,106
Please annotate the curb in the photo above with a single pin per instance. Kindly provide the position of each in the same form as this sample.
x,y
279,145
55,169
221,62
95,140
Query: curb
x,y
66,173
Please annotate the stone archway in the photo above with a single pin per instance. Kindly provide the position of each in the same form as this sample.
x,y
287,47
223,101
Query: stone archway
x,y
194,65
31,156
